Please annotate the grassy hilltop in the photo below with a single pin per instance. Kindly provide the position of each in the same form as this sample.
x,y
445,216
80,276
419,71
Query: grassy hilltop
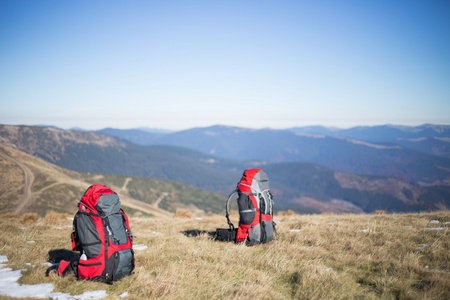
x,y
30,184
398,256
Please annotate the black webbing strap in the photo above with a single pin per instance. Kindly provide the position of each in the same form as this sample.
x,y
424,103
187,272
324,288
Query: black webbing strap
x,y
227,208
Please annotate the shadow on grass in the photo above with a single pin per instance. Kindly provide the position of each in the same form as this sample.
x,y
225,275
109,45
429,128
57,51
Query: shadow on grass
x,y
196,232
55,256
221,234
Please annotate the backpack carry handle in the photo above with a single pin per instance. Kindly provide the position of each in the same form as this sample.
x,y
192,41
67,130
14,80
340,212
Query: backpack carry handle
x,y
228,208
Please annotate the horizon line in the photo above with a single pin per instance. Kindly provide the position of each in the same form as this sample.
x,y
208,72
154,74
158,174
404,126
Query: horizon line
x,y
143,128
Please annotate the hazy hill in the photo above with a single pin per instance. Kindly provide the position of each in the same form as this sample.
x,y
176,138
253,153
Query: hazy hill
x,y
316,187
302,186
100,153
30,184
336,152
137,136
428,138
380,133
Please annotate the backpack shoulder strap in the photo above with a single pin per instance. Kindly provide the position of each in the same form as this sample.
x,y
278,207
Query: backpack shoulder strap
x,y
230,197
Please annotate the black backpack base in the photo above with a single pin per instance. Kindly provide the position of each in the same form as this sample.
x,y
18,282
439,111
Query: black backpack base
x,y
225,234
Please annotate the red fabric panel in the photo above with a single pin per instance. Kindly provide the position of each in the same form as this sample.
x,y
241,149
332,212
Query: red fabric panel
x,y
93,193
248,176
114,248
74,246
62,266
266,217
91,267
241,234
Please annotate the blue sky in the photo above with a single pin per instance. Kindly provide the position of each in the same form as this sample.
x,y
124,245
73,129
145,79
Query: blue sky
x,y
183,64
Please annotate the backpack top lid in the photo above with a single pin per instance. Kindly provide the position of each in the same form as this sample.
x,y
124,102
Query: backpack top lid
x,y
254,181
100,199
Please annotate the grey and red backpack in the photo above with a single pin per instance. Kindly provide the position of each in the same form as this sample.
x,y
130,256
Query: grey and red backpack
x,y
101,233
255,203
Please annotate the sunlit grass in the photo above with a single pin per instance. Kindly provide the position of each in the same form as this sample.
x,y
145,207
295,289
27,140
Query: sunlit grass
x,y
384,256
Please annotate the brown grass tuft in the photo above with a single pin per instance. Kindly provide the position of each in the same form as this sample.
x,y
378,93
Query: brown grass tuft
x,y
30,218
286,213
328,213
183,214
380,212
53,218
10,216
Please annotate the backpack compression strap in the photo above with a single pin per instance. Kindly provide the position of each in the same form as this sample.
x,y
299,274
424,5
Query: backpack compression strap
x,y
228,208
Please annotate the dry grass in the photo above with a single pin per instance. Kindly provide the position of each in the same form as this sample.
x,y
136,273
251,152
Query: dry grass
x,y
53,218
286,213
183,214
30,218
9,216
323,257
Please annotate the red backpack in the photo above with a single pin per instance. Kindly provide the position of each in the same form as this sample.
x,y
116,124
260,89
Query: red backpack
x,y
103,237
255,202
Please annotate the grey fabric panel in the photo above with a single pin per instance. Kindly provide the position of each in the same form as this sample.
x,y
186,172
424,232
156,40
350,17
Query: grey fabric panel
x,y
255,185
260,182
118,229
109,203
260,185
125,265
88,236
269,230
254,235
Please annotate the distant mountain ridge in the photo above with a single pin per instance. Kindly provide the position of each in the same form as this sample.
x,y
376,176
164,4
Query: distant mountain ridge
x,y
380,132
343,150
137,136
298,185
428,138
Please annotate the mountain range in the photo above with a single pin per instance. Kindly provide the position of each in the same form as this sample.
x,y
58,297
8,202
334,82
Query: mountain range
x,y
309,186
428,138
359,150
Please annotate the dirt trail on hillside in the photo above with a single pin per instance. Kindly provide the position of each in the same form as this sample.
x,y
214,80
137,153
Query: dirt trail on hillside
x,y
124,187
145,207
28,182
61,178
165,194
